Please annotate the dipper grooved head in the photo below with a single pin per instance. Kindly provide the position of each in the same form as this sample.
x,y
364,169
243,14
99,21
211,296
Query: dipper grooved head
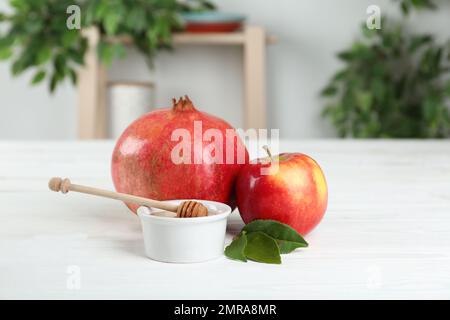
x,y
191,209
57,184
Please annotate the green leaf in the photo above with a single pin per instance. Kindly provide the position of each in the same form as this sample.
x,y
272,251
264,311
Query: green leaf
x,y
377,87
53,82
288,238
6,42
364,100
345,56
405,7
38,77
69,38
76,56
235,250
17,67
33,26
447,88
340,75
419,41
5,53
430,108
105,52
136,19
3,17
43,55
20,5
108,52
262,248
329,91
73,76
100,9
60,65
111,23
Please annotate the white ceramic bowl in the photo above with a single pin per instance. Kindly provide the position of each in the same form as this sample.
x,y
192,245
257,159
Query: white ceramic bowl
x,y
185,240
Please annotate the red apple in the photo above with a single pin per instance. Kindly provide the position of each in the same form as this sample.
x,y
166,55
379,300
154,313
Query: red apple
x,y
293,192
143,160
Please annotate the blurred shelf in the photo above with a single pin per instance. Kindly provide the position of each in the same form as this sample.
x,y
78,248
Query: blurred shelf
x,y
228,38
93,77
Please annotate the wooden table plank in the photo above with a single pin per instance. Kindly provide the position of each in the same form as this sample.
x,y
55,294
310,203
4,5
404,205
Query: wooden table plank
x,y
386,233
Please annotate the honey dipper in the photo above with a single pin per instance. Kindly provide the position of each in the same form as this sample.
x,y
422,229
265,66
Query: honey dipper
x,y
186,209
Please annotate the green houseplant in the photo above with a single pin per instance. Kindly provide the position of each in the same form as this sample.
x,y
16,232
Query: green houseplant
x,y
394,84
37,36
408,5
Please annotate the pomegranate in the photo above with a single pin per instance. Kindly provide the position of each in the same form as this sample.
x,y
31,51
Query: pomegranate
x,y
178,153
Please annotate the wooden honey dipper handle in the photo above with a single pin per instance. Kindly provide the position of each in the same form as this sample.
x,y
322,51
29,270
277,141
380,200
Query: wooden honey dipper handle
x,y
184,210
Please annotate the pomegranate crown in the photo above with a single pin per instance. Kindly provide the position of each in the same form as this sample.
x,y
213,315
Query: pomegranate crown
x,y
183,104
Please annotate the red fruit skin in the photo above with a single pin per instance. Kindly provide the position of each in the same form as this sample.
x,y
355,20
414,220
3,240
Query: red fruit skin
x,y
142,165
296,194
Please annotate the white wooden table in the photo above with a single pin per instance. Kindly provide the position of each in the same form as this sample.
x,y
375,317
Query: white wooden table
x,y
386,233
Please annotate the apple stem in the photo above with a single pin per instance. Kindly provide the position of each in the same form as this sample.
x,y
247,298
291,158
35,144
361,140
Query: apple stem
x,y
268,152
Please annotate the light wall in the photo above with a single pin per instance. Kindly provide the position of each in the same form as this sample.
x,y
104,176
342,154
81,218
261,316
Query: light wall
x,y
309,34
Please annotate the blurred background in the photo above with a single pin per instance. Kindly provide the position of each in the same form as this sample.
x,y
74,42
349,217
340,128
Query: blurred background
x,y
326,74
